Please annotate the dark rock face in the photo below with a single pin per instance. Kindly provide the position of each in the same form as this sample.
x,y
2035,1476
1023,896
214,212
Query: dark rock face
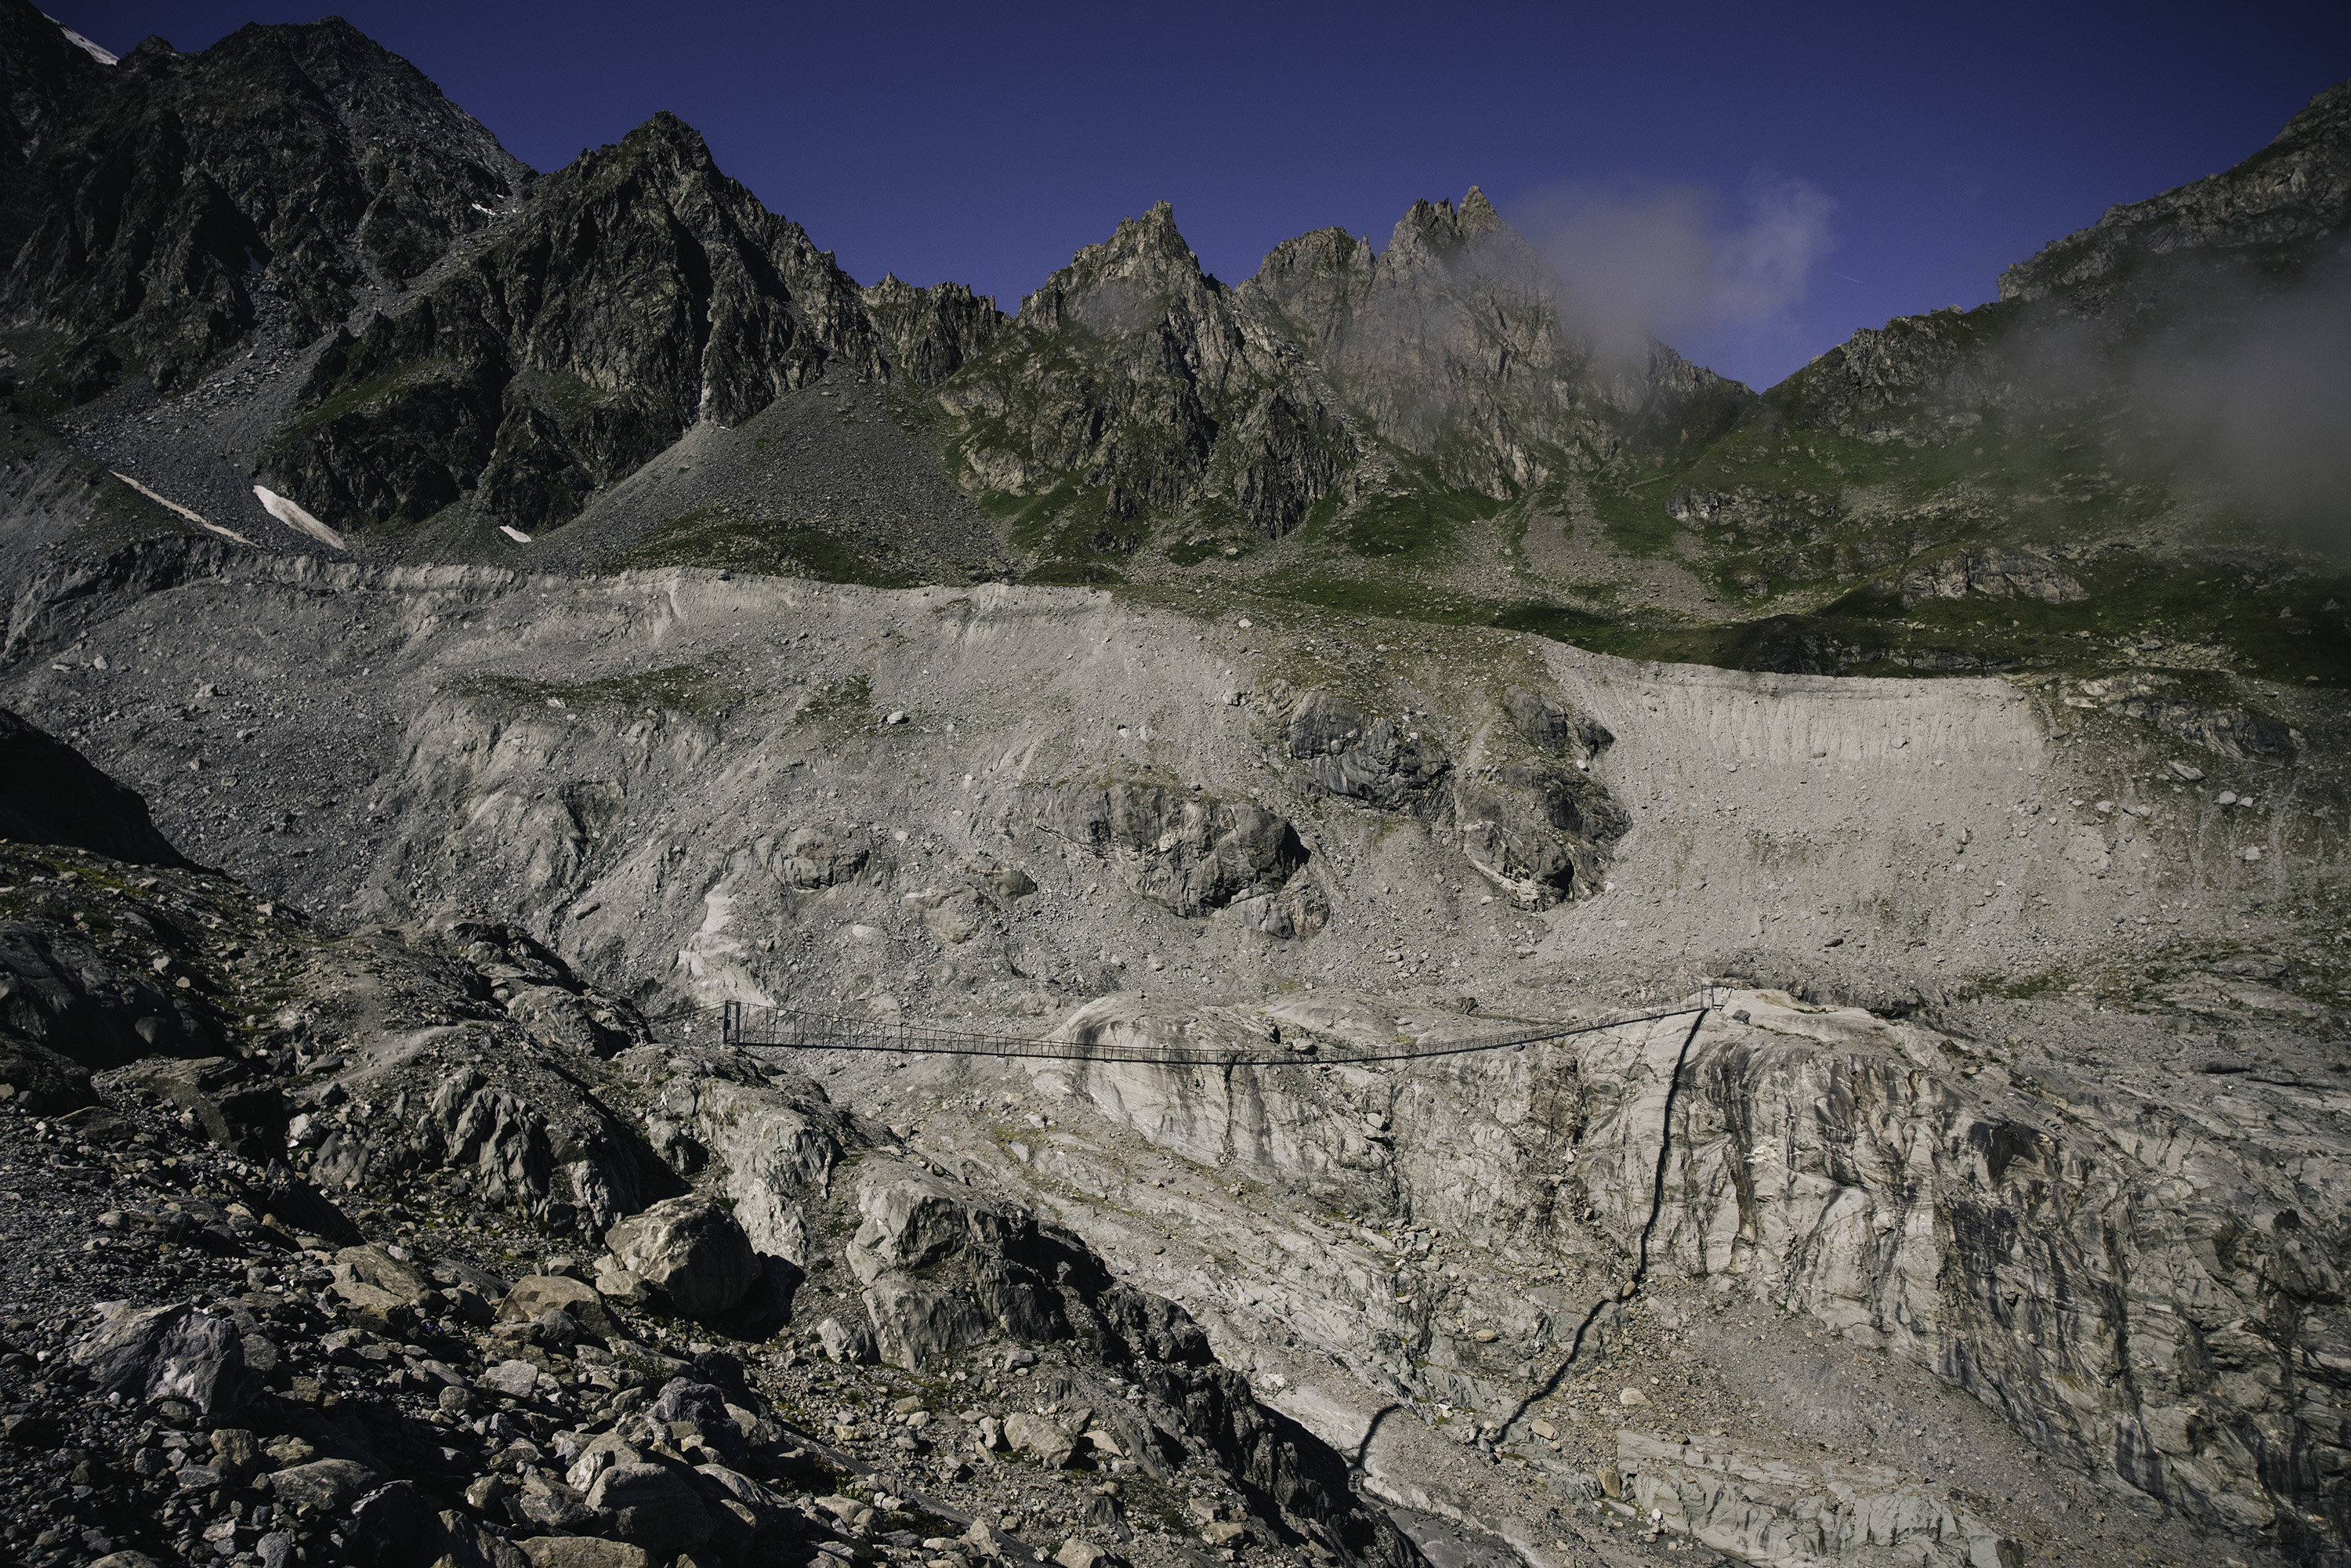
x,y
61,992
51,794
1194,854
641,291
1548,725
163,199
168,1353
931,333
1376,761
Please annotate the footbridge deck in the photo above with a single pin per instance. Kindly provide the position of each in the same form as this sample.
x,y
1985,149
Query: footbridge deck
x,y
751,1025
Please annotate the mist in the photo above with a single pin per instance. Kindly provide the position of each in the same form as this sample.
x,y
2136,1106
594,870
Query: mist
x,y
2254,401
1681,262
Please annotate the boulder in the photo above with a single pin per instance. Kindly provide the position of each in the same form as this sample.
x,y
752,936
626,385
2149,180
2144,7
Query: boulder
x,y
916,1321
58,992
540,1294
582,1551
1188,851
168,1353
323,1486
692,1251
569,1020
1039,1437
249,1118
385,1526
41,1081
811,858
515,1379
375,1267
852,1344
1548,725
653,1506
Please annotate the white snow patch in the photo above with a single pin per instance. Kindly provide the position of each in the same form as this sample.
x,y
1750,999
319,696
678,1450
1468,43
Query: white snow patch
x,y
103,56
483,210
516,535
294,517
174,505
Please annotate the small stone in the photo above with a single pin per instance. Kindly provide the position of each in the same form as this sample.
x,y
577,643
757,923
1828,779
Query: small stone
x,y
1632,1396
1079,1553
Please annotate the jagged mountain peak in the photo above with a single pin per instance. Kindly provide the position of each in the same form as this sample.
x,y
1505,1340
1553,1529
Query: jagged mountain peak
x,y
1149,253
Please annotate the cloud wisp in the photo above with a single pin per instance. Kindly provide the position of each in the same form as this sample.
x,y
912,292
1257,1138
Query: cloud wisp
x,y
1679,262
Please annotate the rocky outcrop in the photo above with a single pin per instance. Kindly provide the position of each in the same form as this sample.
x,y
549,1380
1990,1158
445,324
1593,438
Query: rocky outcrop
x,y
161,199
943,1269
1769,513
1191,852
1539,827
1556,727
1456,345
931,333
2131,1278
2157,698
62,992
1996,571
1378,761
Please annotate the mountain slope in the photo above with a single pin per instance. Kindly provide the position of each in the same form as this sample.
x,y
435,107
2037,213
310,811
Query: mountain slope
x,y
164,206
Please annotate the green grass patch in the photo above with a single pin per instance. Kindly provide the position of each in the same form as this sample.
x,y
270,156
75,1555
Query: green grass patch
x,y
718,536
701,689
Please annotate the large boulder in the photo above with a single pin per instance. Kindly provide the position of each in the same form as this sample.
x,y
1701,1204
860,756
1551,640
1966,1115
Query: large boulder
x,y
323,1486
168,1353
1548,725
943,1269
216,1091
656,1507
58,992
540,1294
691,1252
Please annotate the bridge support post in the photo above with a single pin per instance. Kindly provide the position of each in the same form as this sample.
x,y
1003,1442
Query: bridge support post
x,y
730,1025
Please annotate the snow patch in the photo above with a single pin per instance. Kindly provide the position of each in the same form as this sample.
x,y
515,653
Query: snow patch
x,y
294,517
483,211
174,505
103,56
514,534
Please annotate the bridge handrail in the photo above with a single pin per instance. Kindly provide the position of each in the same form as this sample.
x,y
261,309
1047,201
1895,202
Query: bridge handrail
x,y
753,1027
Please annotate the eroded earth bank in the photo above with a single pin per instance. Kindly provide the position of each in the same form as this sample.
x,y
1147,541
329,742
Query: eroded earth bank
x,y
1965,1191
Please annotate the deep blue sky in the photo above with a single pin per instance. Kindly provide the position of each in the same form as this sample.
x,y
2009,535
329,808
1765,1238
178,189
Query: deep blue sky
x,y
987,143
